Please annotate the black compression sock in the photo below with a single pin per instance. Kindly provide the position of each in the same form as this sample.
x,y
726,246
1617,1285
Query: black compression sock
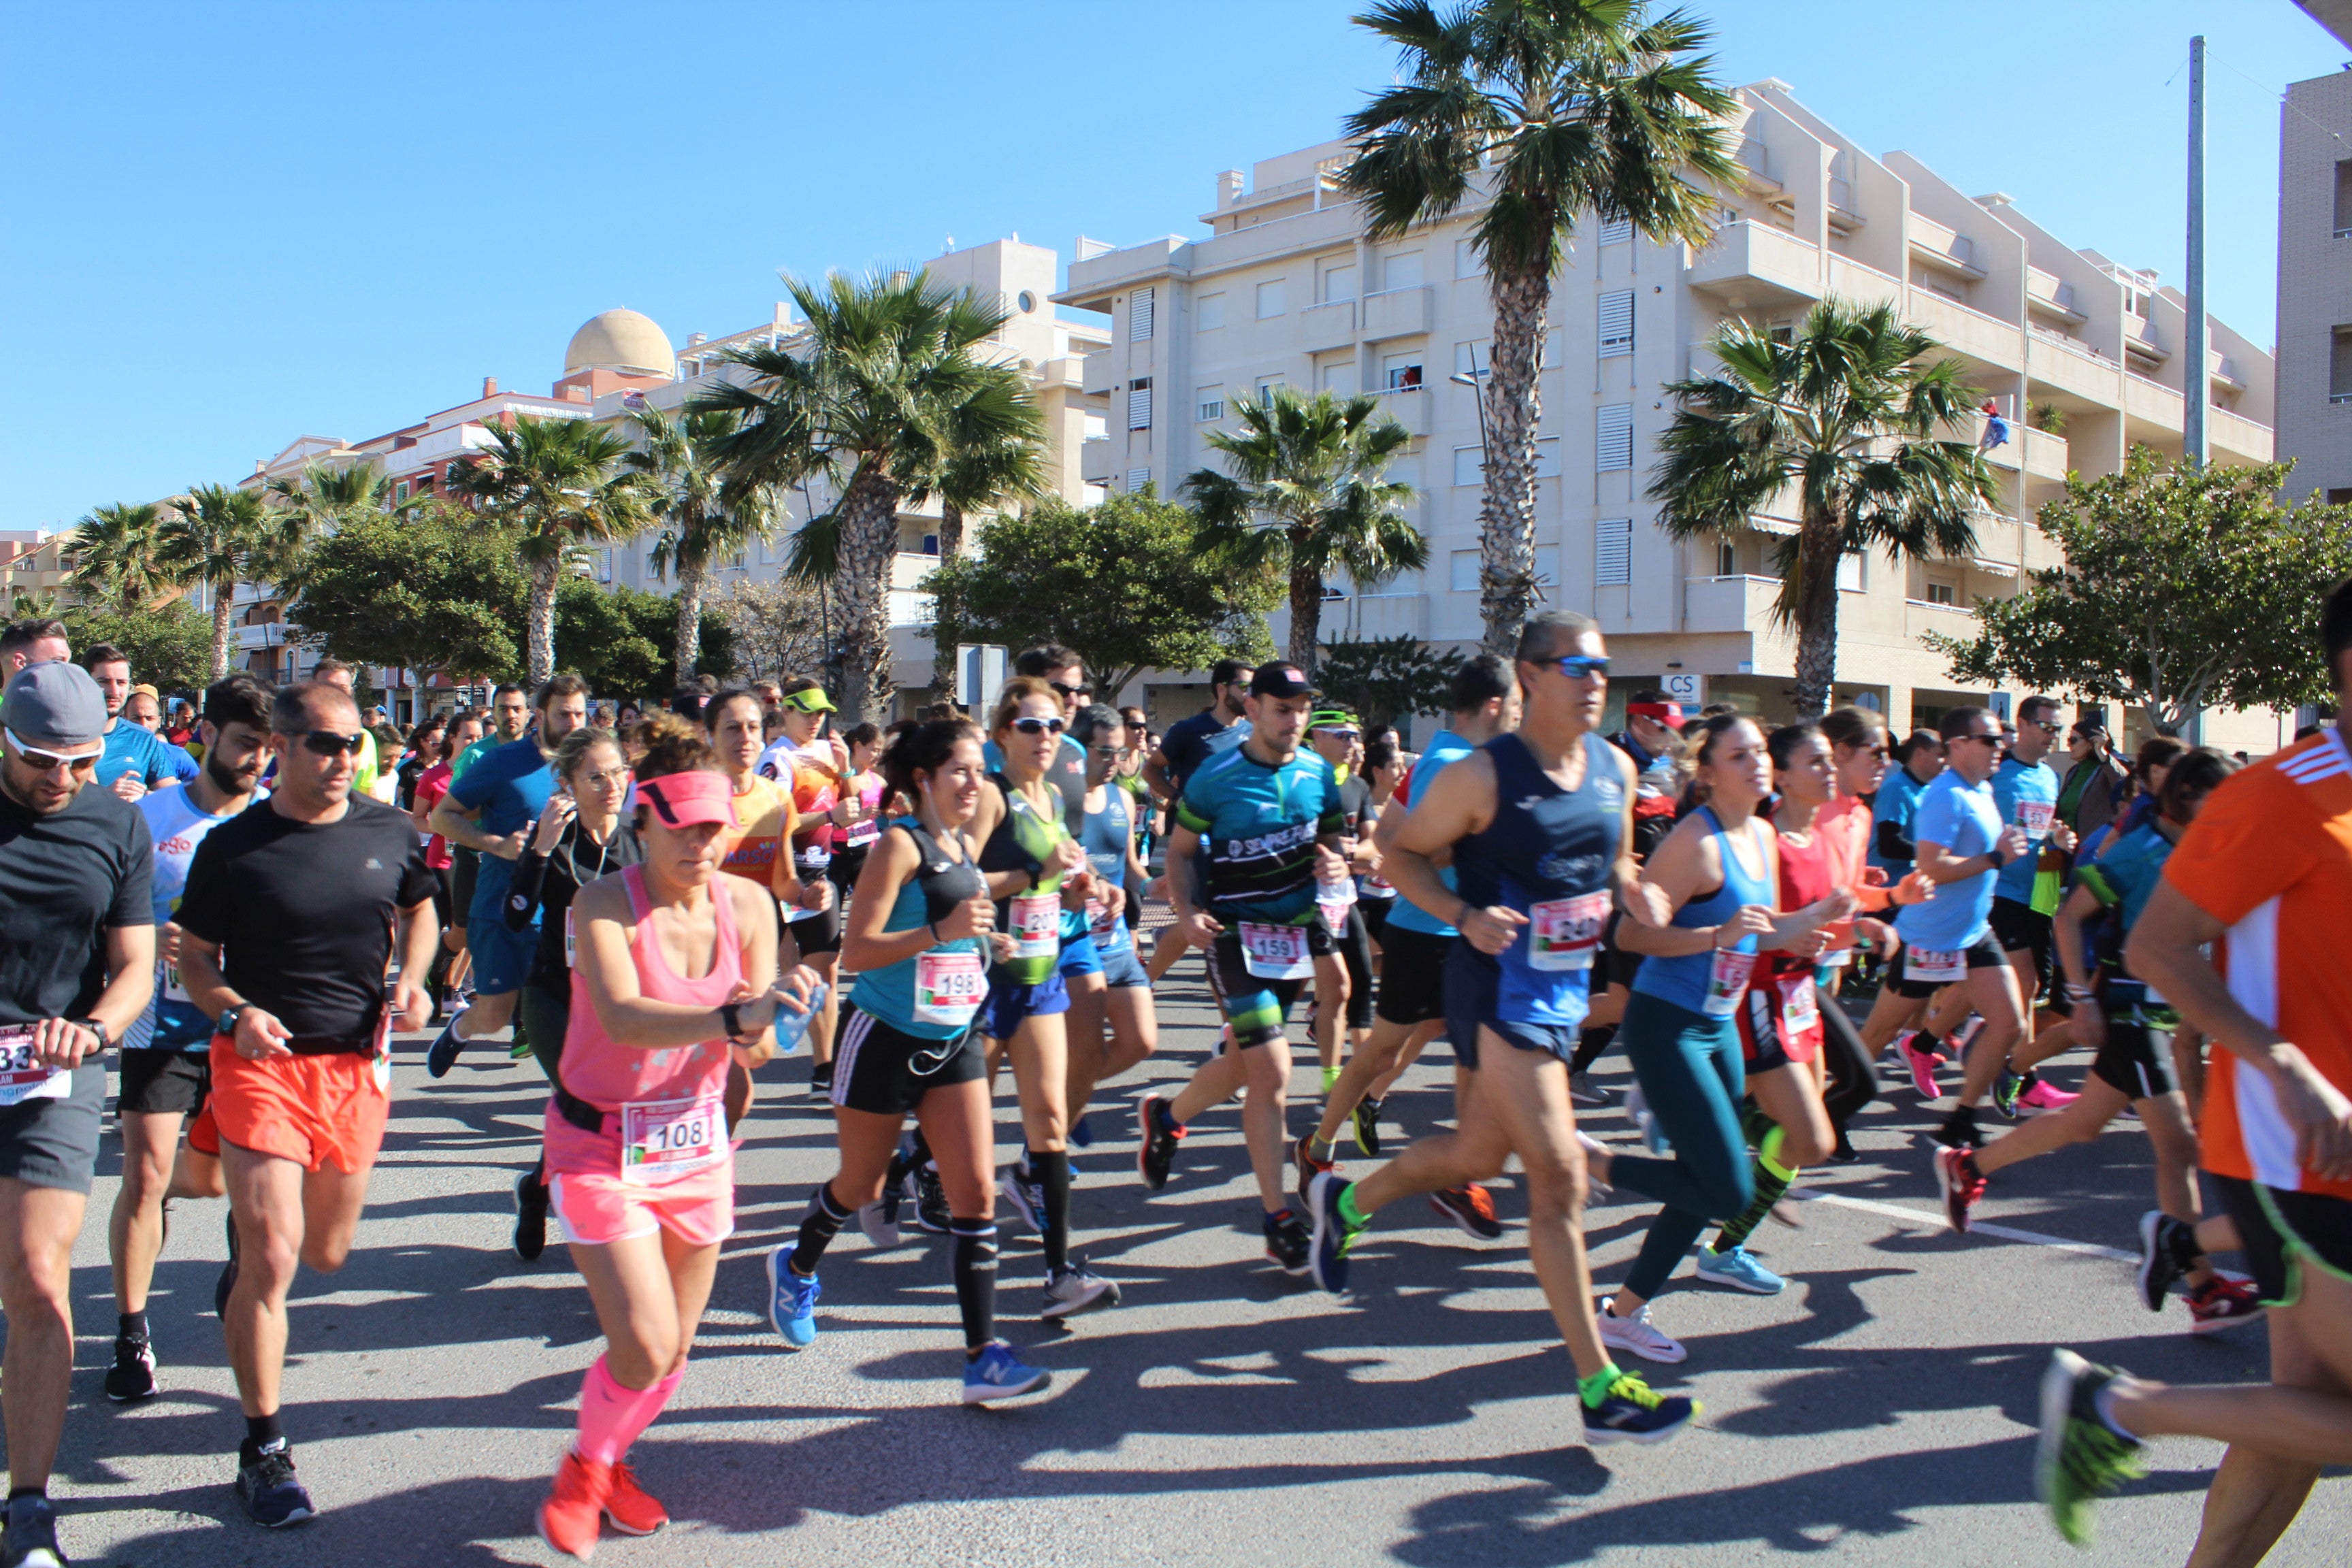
x,y
15,1492
130,1325
975,1280
1755,1126
819,1225
918,1152
1051,1172
1590,1045
261,1432
1773,1180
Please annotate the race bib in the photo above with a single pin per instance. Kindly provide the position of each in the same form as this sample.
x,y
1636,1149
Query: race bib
x,y
1564,933
864,831
1930,968
1036,925
2036,816
662,1140
1275,953
1800,1011
571,941
1727,982
948,988
1333,900
173,990
22,1076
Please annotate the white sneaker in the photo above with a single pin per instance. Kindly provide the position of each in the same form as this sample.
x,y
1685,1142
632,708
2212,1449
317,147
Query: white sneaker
x,y
1077,1289
1592,1146
1638,1335
879,1221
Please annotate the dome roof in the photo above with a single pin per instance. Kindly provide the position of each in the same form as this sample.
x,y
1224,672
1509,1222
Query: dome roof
x,y
622,341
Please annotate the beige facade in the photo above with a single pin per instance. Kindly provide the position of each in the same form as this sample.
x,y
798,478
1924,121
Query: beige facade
x,y
1284,290
2315,285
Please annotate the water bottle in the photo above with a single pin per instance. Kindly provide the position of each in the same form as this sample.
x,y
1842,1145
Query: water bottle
x,y
792,1028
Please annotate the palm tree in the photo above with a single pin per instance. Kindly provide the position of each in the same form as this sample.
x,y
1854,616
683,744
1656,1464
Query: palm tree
x,y
704,525
115,557
1545,110
881,394
559,484
214,535
318,501
1844,413
1306,497
989,471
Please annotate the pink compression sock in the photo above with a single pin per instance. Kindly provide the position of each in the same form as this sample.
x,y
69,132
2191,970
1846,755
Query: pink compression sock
x,y
612,1417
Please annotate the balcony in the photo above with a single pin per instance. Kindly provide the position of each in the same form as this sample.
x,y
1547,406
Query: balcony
x,y
2045,455
1728,604
1753,264
1411,409
1331,326
1095,464
2139,337
1369,615
1397,313
2051,295
1098,375
1920,617
1946,250
1961,330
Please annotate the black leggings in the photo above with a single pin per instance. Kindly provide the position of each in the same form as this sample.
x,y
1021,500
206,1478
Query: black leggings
x,y
1853,1080
1355,946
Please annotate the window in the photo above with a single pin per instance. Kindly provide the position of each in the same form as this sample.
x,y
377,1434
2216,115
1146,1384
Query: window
x,y
1469,464
1943,594
1265,389
1209,312
425,485
1726,559
1852,572
1548,458
1402,373
1405,471
1139,316
1401,270
1211,404
1270,300
1613,449
1466,259
1616,230
1546,565
1464,566
1136,479
1474,359
1612,553
1138,403
2341,496
931,545
1338,282
1097,427
2344,199
400,491
1028,303
1338,377
2339,367
1617,324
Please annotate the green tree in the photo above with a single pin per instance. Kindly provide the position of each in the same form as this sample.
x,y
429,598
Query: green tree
x,y
558,485
1546,111
701,523
2183,589
1843,418
114,558
306,509
879,396
438,589
169,644
621,640
1129,584
218,537
1384,681
1307,498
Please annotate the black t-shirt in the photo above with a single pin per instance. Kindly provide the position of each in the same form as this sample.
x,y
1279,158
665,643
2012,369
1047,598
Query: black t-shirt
x,y
304,911
1356,805
65,881
1186,744
545,885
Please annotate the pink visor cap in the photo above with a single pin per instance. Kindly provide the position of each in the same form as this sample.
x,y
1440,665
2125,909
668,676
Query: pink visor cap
x,y
688,799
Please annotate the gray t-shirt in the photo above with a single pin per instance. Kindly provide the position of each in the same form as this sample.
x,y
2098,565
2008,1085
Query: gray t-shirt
x,y
65,881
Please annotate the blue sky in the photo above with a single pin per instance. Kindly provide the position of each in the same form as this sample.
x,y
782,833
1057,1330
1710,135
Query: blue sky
x,y
232,223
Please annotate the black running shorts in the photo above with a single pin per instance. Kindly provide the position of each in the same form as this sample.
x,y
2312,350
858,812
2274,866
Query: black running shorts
x,y
164,1083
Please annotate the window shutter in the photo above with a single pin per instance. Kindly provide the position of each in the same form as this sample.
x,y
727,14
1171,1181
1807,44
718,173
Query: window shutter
x,y
1616,230
1613,551
1139,316
1138,403
1136,479
1614,448
1617,323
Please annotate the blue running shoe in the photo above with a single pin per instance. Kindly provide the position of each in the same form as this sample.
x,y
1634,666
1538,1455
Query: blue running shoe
x,y
1736,1268
442,1054
997,1374
1633,1413
792,1300
1328,1256
1081,1133
273,1499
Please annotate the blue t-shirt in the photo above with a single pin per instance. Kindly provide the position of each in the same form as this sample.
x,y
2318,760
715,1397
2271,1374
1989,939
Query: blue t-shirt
x,y
1443,747
2027,794
1107,836
508,785
132,750
2126,876
1961,817
1260,824
173,1021
1898,798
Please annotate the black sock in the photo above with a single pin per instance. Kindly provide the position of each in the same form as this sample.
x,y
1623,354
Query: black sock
x,y
1590,1045
1755,1126
975,1280
821,1076
1168,1123
819,1225
130,1325
15,1492
1051,1176
2186,1254
261,1432
918,1152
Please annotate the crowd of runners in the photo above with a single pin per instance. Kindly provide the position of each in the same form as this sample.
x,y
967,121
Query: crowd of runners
x,y
655,903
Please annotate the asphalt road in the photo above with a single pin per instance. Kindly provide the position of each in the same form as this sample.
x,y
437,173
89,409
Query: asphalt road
x,y
1878,1411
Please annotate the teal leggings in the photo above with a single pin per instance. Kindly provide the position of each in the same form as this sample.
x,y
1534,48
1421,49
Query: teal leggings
x,y
1691,1073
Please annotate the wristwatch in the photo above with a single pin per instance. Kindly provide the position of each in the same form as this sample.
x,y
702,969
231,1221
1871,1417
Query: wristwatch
x,y
226,1023
730,1020
98,1028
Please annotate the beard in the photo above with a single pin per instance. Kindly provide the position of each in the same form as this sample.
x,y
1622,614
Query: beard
x,y
228,781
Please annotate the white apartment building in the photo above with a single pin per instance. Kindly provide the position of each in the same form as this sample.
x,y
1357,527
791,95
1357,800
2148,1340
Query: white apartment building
x,y
1285,290
2315,285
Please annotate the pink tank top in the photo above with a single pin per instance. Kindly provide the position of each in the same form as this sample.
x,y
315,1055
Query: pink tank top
x,y
609,1076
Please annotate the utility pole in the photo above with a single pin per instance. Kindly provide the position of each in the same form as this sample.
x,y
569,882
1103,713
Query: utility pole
x,y
2196,388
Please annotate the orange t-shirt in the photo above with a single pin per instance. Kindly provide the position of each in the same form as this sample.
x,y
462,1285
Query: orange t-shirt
x,y
764,822
2269,857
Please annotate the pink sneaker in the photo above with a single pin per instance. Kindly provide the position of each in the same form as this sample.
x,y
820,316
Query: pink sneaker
x,y
1923,1072
2042,1095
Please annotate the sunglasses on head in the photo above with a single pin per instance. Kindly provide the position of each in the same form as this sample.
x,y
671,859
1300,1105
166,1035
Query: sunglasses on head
x,y
1581,666
328,742
46,761
1029,725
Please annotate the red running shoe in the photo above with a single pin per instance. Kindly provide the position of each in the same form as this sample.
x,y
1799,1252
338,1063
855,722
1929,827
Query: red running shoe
x,y
574,1513
1956,1175
629,1508
2222,1302
1471,1210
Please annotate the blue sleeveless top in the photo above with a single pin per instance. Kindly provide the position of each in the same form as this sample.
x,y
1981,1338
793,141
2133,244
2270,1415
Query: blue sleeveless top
x,y
937,886
1548,854
1690,980
1106,836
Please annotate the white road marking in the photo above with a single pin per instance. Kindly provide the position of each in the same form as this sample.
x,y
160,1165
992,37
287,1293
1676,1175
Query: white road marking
x,y
1928,1220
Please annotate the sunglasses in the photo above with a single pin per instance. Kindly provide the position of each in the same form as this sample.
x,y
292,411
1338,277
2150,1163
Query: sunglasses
x,y
1581,666
1342,734
328,743
46,761
2044,726
1032,725
1988,739
1068,692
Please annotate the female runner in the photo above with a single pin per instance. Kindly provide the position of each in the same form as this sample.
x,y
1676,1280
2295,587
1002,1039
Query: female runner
x,y
918,939
675,976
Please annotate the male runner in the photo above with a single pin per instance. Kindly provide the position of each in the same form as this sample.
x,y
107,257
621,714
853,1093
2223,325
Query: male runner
x,y
1898,802
2261,879
1182,752
1652,719
1411,1011
1343,979
1268,815
1539,828
286,927
341,676
166,1056
32,642
2025,897
77,966
492,805
136,760
1121,1004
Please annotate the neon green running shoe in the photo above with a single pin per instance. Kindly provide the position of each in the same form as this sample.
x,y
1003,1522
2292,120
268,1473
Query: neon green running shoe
x,y
2080,1458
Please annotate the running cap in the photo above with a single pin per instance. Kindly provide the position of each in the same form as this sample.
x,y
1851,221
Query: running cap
x,y
1669,714
686,799
813,700
1279,680
55,704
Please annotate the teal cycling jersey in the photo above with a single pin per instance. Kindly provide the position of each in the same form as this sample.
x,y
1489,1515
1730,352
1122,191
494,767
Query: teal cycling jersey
x,y
1259,825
